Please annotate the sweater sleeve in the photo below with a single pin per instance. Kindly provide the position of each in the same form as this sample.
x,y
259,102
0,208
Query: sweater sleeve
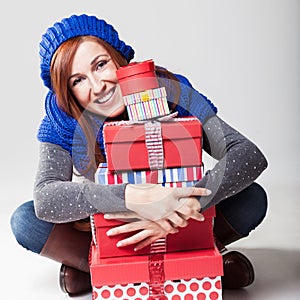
x,y
239,161
58,199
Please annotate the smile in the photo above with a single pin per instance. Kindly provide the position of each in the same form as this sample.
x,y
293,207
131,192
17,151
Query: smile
x,y
105,98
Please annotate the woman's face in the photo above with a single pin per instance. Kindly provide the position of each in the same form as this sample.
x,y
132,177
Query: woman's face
x,y
93,80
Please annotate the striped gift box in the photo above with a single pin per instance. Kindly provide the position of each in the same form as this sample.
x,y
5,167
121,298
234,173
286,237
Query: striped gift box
x,y
171,177
147,104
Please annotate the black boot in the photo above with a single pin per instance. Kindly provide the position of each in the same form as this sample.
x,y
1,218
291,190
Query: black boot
x,y
73,281
238,270
70,247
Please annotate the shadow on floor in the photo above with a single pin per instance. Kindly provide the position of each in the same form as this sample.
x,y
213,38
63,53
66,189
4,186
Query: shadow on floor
x,y
277,276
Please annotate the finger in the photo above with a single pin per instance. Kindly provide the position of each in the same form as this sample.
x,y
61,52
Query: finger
x,y
134,239
198,216
129,227
165,224
200,192
148,241
189,205
193,191
185,217
188,213
121,215
177,220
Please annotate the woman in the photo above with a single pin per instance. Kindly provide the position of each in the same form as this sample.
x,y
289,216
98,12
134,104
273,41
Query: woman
x,y
79,59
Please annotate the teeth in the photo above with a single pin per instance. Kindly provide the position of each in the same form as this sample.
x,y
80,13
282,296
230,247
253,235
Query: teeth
x,y
105,98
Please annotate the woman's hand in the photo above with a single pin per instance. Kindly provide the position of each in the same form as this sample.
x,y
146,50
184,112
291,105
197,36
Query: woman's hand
x,y
189,210
155,202
148,231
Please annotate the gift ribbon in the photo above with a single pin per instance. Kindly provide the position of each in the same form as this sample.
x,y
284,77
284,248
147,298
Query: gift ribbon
x,y
154,141
156,270
93,230
154,145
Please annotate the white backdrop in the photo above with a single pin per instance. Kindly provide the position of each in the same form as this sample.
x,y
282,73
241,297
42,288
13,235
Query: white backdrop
x,y
243,55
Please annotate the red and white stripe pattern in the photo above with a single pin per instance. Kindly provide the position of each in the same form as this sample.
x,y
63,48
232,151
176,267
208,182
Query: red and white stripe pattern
x,y
171,177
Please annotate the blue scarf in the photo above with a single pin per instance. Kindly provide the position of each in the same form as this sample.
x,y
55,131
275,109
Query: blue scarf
x,y
61,129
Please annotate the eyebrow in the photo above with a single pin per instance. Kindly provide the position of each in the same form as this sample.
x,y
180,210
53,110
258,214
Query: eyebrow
x,y
92,62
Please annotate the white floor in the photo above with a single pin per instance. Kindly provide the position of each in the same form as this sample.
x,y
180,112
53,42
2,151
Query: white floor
x,y
274,250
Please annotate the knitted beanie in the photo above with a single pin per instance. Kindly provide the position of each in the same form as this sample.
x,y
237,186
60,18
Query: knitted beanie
x,y
77,26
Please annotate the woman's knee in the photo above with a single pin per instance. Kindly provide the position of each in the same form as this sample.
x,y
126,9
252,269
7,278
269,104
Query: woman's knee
x,y
29,231
247,209
259,201
18,220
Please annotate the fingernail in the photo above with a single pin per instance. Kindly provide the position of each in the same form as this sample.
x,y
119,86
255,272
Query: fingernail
x,y
109,232
119,244
207,192
106,216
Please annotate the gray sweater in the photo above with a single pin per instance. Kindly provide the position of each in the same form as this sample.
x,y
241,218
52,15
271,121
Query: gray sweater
x,y
58,198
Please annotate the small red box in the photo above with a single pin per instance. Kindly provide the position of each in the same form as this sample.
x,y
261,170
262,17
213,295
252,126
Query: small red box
x,y
137,77
126,146
184,240
191,272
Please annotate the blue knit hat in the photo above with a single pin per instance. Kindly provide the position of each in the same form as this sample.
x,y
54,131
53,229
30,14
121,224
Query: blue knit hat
x,y
77,26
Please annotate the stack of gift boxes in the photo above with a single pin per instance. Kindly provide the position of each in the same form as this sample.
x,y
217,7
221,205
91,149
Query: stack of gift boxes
x,y
153,146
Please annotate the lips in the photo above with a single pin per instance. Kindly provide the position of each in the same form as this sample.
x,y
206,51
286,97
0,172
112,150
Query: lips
x,y
105,98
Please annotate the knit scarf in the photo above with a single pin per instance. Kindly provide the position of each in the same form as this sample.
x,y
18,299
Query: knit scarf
x,y
59,128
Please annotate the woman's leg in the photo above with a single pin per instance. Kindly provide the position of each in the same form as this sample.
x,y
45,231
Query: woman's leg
x,y
60,242
243,212
235,218
29,231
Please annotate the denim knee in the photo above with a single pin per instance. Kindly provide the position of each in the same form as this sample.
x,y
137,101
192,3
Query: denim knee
x,y
259,202
245,210
29,231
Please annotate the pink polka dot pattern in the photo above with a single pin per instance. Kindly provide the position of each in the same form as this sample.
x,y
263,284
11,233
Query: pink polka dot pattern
x,y
196,288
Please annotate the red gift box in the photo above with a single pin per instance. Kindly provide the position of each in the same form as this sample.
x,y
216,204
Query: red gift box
x,y
191,272
126,145
137,77
184,240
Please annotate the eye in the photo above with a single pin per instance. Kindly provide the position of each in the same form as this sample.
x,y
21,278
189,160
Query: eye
x,y
77,81
102,63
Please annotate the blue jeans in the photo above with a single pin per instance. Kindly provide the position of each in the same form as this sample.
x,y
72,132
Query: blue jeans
x,y
244,211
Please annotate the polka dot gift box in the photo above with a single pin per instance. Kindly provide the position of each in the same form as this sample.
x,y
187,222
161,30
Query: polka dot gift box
x,y
186,275
192,289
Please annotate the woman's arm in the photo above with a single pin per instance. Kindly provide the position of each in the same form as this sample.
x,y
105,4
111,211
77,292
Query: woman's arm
x,y
57,199
240,161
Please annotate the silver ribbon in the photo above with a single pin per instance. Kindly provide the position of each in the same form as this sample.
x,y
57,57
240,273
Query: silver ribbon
x,y
154,145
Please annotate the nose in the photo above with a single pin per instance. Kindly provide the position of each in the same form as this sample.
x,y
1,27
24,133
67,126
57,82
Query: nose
x,y
97,84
